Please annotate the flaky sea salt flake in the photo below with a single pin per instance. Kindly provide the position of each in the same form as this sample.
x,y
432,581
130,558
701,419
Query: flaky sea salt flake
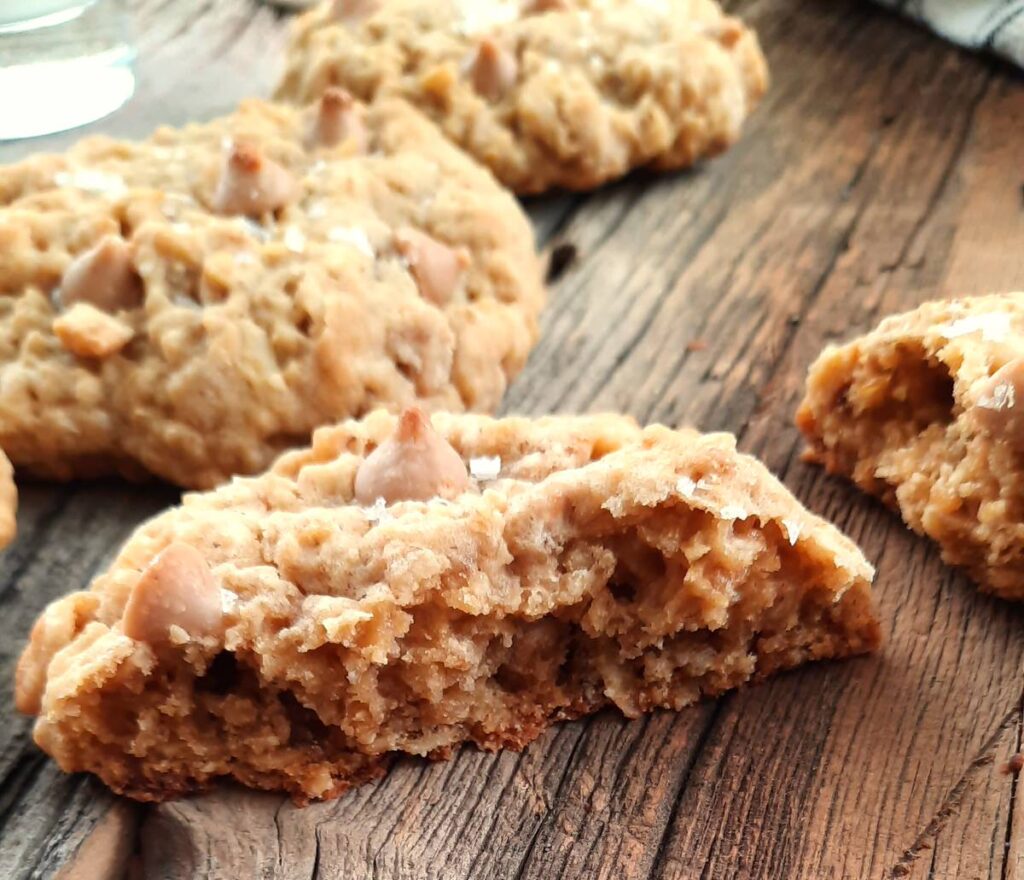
x,y
97,182
294,240
378,511
793,530
353,236
993,326
686,487
486,467
1003,396
733,511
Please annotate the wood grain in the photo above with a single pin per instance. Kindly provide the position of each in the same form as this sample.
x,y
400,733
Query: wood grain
x,y
881,171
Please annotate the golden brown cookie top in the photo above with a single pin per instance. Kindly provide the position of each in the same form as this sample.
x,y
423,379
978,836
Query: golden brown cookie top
x,y
303,534
192,304
570,93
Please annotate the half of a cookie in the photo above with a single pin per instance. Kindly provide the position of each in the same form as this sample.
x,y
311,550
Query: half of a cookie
x,y
193,304
547,93
403,587
927,412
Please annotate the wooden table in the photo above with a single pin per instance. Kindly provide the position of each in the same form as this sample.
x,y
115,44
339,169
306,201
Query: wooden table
x,y
883,169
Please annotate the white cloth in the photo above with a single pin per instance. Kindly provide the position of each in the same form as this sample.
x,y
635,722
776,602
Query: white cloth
x,y
991,25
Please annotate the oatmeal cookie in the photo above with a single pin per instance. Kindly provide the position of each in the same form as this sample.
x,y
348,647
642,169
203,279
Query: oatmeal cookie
x,y
405,586
547,93
926,413
193,304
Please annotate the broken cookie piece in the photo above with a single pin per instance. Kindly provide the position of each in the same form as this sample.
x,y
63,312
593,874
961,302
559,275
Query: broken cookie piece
x,y
925,413
297,630
548,93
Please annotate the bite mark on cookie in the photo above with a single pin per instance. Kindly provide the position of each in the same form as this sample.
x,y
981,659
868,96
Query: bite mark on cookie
x,y
601,567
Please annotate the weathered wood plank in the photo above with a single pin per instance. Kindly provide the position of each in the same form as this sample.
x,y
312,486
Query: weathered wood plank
x,y
874,177
981,801
986,246
1013,867
65,536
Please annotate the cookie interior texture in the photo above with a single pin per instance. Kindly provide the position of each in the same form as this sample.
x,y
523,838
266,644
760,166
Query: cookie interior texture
x,y
250,331
897,411
592,88
590,563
